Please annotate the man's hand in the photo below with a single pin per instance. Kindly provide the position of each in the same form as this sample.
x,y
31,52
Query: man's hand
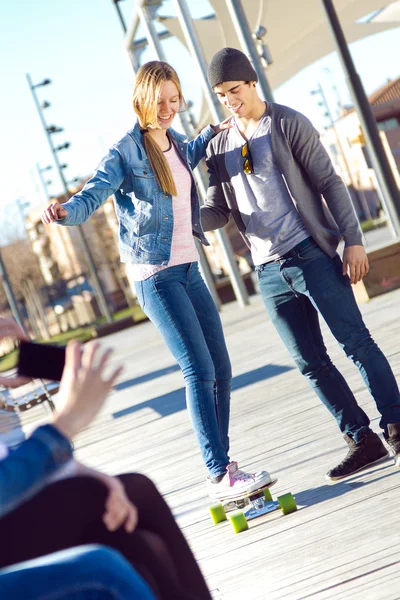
x,y
10,328
83,387
355,263
54,212
119,510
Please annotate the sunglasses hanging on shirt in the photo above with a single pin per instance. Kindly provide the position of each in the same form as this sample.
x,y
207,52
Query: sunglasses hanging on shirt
x,y
248,168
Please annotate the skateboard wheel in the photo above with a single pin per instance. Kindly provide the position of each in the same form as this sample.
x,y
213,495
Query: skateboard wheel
x,y
238,521
287,503
217,513
267,495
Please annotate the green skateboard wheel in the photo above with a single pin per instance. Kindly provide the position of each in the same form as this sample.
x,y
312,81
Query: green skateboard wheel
x,y
267,495
238,521
217,513
287,503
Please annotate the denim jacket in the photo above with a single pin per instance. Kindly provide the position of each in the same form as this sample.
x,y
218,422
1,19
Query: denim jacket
x,y
26,469
144,211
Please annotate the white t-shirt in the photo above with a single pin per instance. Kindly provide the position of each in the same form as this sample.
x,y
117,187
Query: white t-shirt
x,y
183,247
273,225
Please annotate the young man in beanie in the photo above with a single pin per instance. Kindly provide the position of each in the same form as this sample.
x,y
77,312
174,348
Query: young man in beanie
x,y
273,175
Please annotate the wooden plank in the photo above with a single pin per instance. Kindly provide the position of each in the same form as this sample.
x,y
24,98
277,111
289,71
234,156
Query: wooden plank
x,y
344,542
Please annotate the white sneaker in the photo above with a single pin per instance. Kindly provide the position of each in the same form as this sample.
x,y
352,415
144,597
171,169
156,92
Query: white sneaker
x,y
237,483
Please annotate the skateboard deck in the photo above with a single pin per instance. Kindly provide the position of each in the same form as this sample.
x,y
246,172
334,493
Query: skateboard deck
x,y
243,499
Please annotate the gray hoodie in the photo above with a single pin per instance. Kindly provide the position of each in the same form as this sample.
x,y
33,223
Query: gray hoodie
x,y
318,193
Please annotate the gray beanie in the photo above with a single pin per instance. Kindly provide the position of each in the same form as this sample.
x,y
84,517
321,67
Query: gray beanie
x,y
230,64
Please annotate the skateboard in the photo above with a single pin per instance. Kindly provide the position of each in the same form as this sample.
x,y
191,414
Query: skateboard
x,y
250,506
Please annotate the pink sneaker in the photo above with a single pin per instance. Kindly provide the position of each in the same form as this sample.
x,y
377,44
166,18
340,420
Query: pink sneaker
x,y
236,483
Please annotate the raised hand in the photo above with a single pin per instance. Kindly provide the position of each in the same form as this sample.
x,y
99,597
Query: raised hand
x,y
83,387
54,212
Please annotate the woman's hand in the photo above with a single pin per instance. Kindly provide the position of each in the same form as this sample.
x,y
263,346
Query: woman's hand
x,y
83,387
54,212
119,510
10,328
225,124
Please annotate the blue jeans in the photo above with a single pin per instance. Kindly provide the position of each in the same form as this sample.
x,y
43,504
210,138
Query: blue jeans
x,y
179,304
295,289
83,573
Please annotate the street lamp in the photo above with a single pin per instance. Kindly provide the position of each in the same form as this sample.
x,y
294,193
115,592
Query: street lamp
x,y
54,129
246,40
64,146
49,131
12,301
45,183
22,206
262,48
42,83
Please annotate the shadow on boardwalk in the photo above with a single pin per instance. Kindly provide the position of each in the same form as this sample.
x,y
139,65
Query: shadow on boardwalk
x,y
173,402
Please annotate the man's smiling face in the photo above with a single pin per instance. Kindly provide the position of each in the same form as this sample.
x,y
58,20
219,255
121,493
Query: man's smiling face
x,y
240,97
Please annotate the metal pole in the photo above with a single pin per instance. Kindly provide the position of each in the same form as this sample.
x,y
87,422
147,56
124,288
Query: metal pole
x,y
29,284
150,31
243,32
88,255
120,15
37,301
379,160
62,233
193,43
9,293
154,41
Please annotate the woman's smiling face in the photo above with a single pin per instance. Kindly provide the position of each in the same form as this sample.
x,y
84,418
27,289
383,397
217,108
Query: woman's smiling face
x,y
168,104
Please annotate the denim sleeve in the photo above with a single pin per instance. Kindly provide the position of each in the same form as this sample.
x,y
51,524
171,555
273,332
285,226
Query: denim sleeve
x,y
23,473
197,147
107,178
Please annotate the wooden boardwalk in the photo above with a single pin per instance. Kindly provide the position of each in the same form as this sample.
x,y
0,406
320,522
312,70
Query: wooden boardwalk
x,y
344,542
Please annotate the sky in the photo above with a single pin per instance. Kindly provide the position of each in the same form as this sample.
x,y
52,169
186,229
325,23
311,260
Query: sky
x,y
79,45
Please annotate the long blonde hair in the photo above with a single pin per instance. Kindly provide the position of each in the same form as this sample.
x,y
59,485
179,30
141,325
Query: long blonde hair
x,y
149,79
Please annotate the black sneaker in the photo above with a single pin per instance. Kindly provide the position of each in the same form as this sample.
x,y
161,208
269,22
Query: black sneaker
x,y
369,450
393,439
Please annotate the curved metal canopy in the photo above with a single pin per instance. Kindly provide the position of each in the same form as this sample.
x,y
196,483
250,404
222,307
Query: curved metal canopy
x,y
297,31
